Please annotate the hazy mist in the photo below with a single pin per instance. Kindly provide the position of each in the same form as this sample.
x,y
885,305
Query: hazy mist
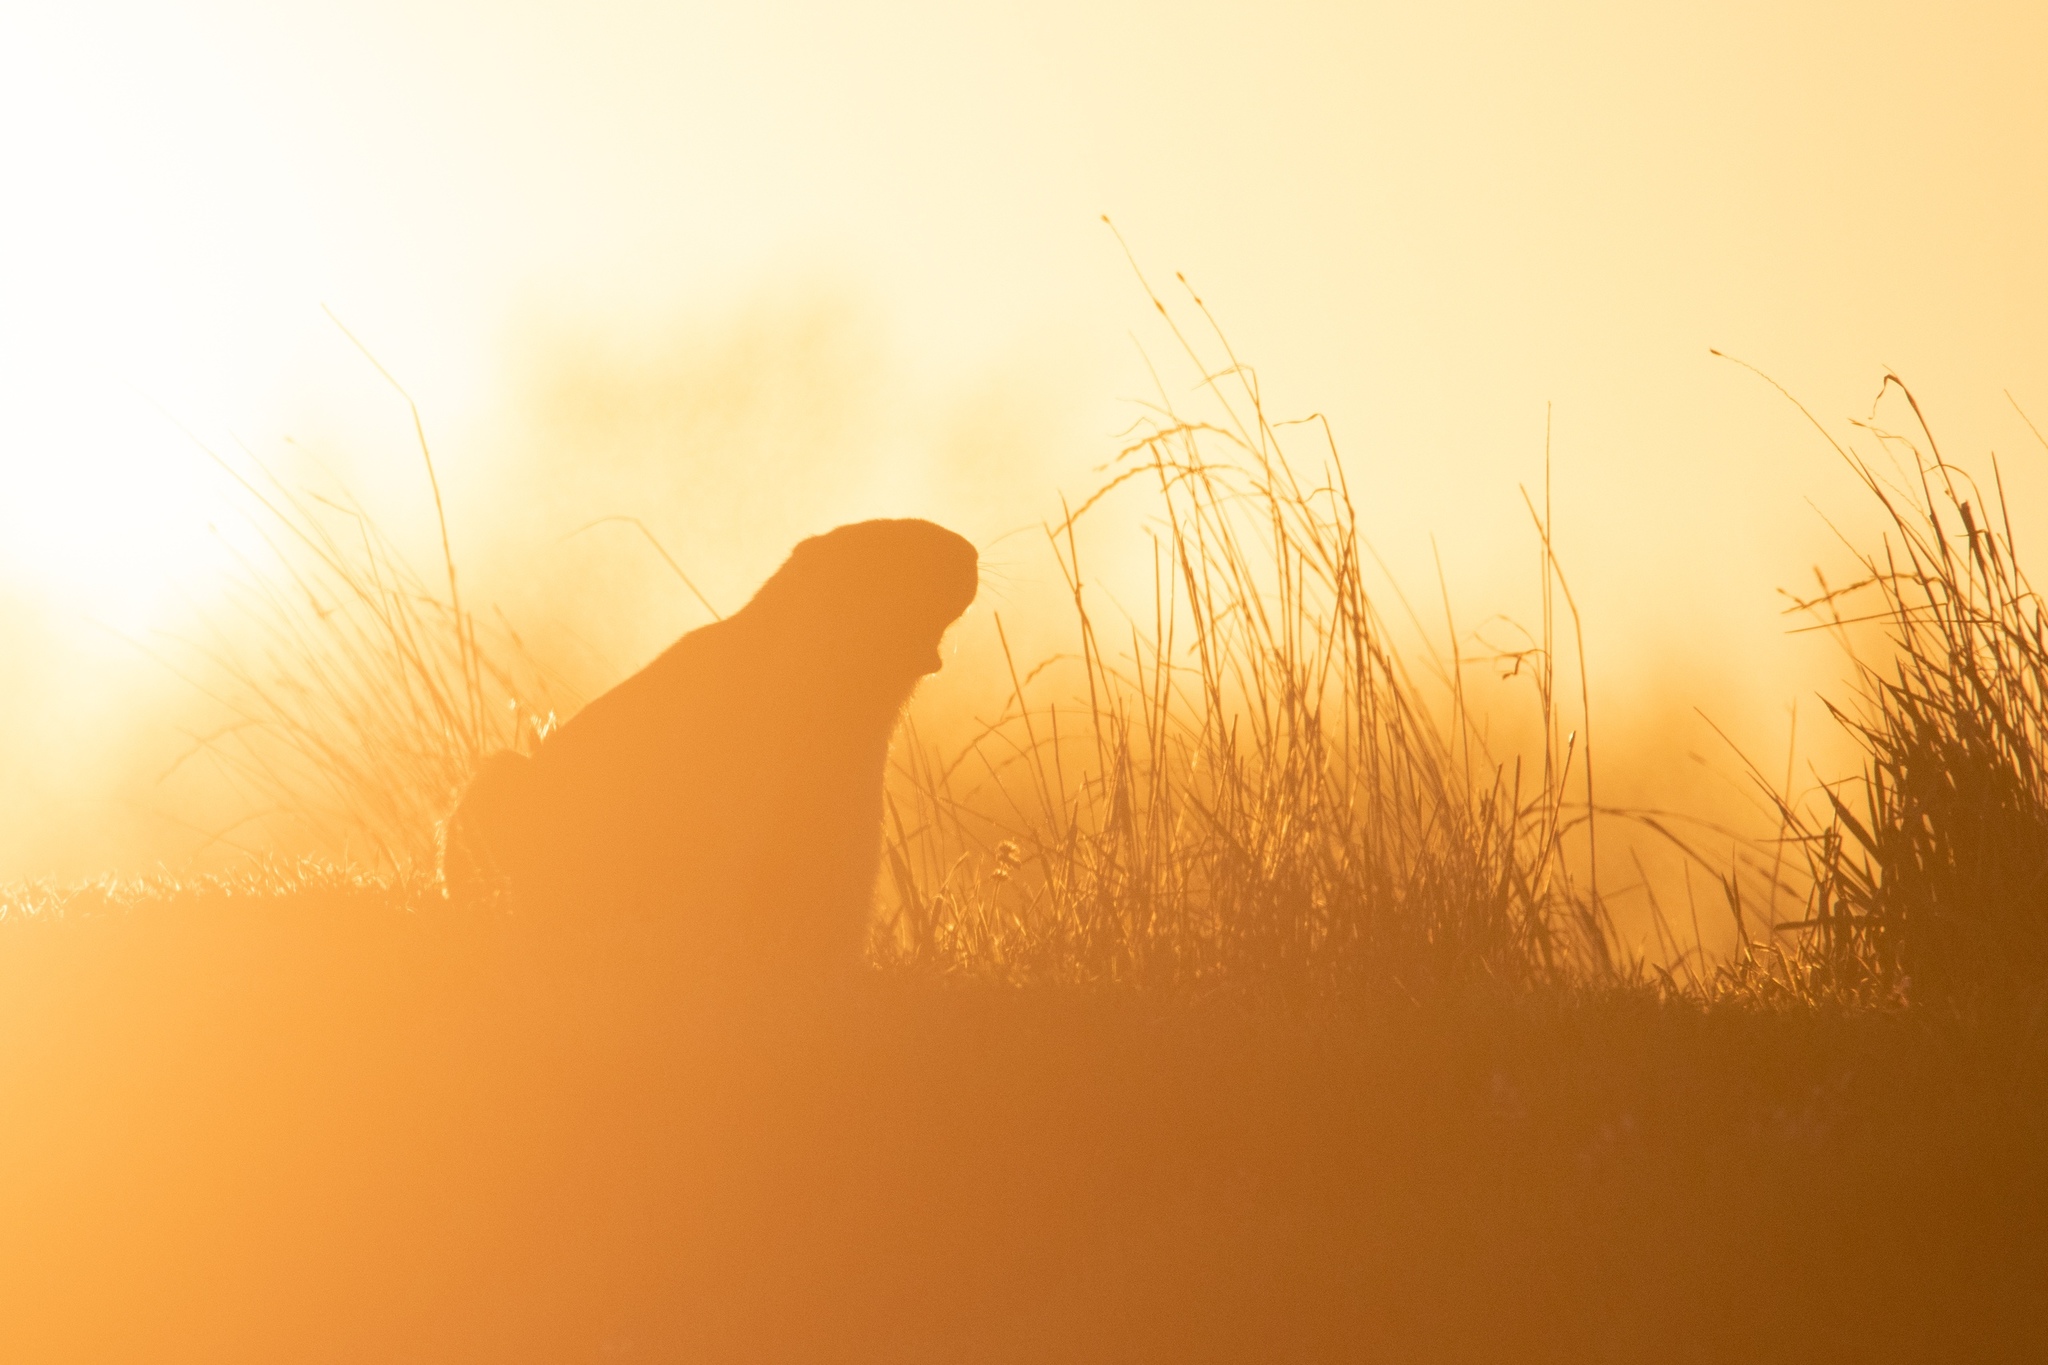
x,y
854,267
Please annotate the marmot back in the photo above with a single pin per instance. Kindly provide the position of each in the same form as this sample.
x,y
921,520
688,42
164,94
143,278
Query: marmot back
x,y
731,791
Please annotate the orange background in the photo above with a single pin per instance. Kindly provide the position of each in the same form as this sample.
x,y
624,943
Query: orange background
x,y
750,271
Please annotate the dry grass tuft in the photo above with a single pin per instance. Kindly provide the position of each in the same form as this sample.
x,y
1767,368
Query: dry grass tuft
x,y
1929,870
1245,782
1251,784
359,697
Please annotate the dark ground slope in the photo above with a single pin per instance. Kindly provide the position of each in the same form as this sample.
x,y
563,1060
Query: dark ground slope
x,y
319,1128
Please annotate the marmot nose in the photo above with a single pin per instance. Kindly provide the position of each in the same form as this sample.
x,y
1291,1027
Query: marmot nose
x,y
969,581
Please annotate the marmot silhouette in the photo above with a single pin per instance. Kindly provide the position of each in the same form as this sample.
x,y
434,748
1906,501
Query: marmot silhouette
x,y
732,789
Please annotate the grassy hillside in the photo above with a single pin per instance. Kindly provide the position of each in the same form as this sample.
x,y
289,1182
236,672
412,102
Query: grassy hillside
x,y
1234,995
311,1121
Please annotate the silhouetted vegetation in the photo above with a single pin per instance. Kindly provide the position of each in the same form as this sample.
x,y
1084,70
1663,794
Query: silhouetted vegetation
x,y
1254,787
1930,870
357,697
1233,999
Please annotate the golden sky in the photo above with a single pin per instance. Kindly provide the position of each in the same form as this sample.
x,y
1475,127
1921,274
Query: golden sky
x,y
1427,221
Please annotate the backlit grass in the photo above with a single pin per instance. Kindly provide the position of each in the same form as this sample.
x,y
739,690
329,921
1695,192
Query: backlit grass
x,y
1233,999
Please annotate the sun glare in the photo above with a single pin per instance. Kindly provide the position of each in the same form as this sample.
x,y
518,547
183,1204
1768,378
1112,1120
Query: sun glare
x,y
108,519
152,249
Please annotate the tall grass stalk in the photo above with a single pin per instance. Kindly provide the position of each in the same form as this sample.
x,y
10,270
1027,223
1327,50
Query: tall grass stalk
x,y
1249,783
358,697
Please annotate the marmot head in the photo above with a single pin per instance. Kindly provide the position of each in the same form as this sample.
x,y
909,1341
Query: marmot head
x,y
878,595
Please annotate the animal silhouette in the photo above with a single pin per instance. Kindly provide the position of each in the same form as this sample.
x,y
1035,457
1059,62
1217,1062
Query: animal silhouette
x,y
731,791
